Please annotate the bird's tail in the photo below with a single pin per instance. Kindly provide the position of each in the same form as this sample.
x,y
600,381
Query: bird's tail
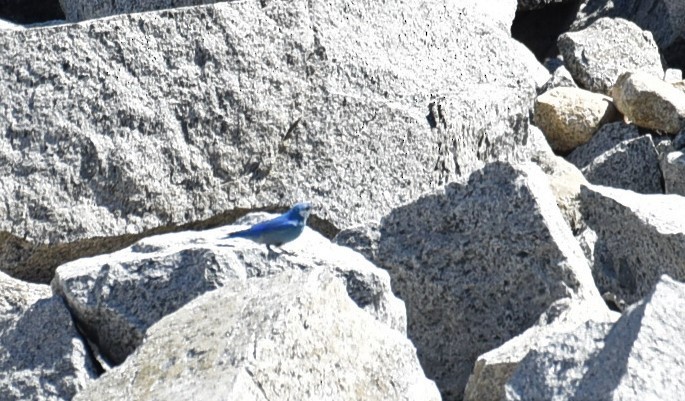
x,y
239,234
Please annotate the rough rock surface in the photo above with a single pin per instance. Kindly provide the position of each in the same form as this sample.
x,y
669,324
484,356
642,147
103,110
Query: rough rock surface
x,y
617,156
598,54
565,179
294,336
569,116
476,264
116,126
42,355
639,238
640,357
561,77
665,19
650,102
673,168
494,369
117,297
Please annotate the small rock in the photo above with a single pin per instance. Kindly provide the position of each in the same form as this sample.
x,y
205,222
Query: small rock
x,y
570,116
560,78
617,156
672,75
640,357
673,168
293,336
598,54
649,102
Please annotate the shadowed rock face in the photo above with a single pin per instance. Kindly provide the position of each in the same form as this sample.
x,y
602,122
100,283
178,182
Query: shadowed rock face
x,y
30,11
476,264
117,126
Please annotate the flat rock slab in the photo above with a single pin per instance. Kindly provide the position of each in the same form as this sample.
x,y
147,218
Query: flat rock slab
x,y
294,336
618,156
606,362
117,297
476,263
639,238
42,355
116,126
607,48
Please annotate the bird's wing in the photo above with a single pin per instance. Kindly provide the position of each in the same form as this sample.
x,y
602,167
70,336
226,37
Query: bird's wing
x,y
279,223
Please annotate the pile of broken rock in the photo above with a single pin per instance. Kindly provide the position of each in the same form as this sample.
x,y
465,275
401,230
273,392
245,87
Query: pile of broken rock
x,y
476,214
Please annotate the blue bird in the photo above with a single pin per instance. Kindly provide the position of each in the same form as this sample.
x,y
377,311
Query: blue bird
x,y
279,230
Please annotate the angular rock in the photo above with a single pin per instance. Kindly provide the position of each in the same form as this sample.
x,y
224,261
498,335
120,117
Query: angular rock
x,y
117,297
294,336
639,238
42,355
673,168
640,357
650,102
565,180
560,78
607,48
617,156
476,264
494,369
569,116
130,123
665,19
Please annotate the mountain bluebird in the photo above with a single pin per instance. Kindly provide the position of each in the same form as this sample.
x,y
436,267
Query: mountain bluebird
x,y
280,230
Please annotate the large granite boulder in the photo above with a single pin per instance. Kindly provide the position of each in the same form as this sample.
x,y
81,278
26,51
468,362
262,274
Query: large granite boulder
x,y
293,336
117,126
117,297
42,355
476,263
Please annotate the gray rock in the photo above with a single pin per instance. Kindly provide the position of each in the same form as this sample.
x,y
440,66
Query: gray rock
x,y
639,238
117,297
673,168
132,123
640,357
294,336
679,141
607,48
476,264
570,116
494,369
561,77
665,19
42,355
617,156
650,102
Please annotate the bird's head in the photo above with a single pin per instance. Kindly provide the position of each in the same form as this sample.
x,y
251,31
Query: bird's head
x,y
301,210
